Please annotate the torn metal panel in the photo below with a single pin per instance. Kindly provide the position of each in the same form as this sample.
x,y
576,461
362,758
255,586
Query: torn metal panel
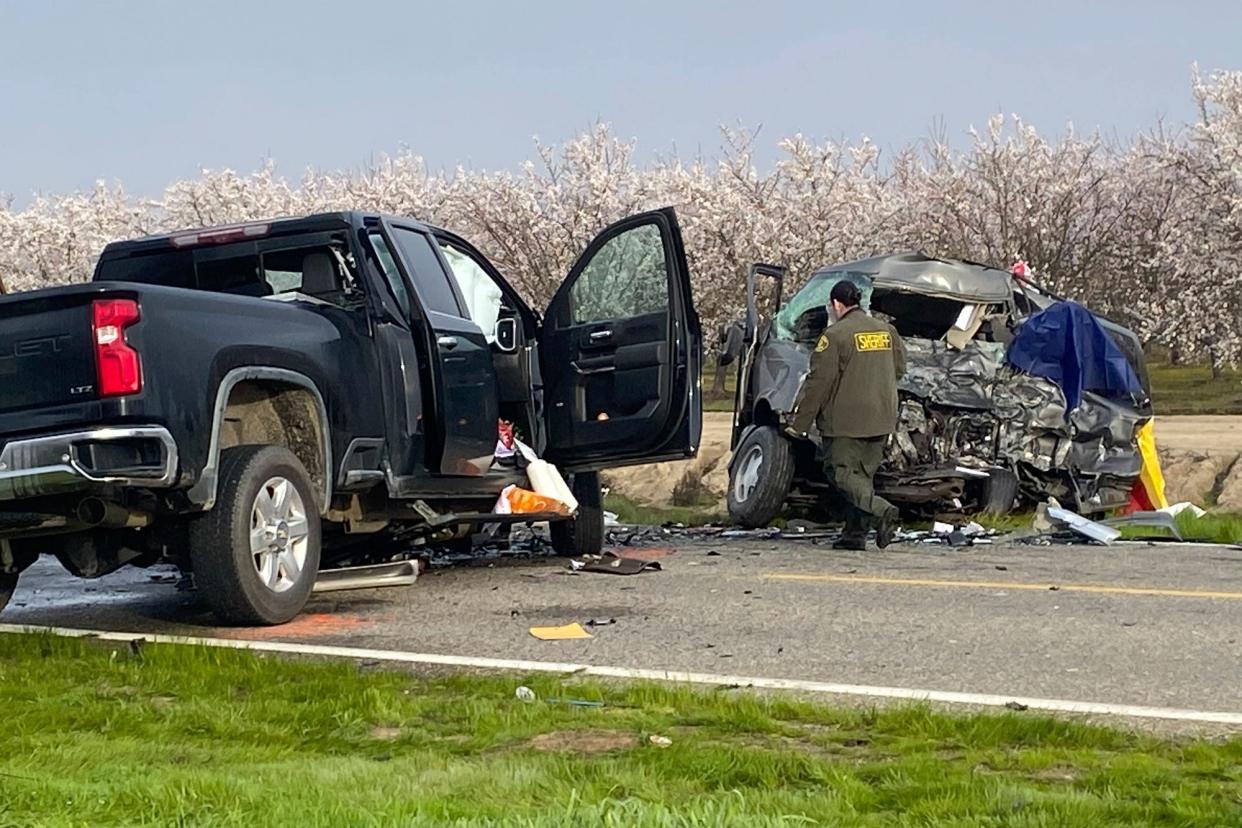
x,y
1158,520
1083,526
780,369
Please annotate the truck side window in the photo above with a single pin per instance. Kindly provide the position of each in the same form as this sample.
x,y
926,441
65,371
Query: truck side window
x,y
388,266
430,279
626,277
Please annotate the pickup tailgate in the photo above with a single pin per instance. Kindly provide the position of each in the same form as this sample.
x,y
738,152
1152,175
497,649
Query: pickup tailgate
x,y
46,354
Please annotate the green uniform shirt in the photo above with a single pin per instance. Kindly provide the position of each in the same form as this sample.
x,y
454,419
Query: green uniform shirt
x,y
851,390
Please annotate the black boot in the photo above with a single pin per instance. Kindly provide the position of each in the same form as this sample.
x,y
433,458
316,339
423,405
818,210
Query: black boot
x,y
854,543
885,529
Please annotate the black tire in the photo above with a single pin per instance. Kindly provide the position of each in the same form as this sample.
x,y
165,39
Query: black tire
x,y
8,583
1000,492
225,569
584,534
766,453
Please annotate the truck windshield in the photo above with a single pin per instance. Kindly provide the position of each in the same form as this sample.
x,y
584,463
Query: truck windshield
x,y
805,315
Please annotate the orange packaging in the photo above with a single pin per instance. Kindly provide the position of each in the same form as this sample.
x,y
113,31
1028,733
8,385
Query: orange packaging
x,y
516,501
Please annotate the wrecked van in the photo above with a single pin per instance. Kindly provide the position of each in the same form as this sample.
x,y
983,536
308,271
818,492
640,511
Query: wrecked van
x,y
976,433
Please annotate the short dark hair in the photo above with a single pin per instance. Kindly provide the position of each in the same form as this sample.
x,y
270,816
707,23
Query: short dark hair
x,y
847,293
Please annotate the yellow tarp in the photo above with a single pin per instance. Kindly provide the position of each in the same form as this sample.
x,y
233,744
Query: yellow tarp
x,y
1151,476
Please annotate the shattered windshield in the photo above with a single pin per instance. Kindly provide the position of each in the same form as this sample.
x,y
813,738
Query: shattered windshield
x,y
805,315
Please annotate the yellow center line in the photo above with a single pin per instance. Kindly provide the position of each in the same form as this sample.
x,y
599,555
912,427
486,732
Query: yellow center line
x,y
1093,588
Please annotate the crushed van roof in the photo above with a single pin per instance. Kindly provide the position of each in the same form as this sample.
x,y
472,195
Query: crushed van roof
x,y
920,273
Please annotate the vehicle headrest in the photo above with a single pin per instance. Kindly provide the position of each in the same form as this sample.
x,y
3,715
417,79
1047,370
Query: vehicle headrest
x,y
319,274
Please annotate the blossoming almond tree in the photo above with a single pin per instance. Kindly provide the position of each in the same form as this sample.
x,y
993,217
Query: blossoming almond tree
x,y
1149,232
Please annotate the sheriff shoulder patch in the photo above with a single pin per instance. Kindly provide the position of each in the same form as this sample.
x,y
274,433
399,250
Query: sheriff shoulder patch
x,y
822,345
873,341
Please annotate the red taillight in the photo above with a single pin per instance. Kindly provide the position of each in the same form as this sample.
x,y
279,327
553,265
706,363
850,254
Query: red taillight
x,y
120,369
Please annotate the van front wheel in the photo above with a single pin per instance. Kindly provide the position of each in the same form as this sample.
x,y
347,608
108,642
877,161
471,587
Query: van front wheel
x,y
759,477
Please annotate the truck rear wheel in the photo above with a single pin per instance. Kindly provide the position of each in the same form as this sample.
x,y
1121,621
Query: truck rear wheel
x,y
759,477
256,554
584,534
8,583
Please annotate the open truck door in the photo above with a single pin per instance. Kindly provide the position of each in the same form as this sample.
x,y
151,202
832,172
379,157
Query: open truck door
x,y
760,311
621,351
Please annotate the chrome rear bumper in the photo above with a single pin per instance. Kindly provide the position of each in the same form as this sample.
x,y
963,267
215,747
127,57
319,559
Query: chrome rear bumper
x,y
59,463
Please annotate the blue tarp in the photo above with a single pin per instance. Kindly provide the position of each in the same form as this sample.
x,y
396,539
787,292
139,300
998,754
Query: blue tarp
x,y
1069,346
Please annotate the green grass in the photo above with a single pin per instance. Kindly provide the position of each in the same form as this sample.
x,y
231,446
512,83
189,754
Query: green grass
x,y
1211,528
1190,389
630,511
98,735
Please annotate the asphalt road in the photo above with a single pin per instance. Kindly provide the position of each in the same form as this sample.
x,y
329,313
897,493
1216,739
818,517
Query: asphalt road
x,y
1156,625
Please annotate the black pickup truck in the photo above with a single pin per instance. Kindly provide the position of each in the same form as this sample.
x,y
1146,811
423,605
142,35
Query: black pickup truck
x,y
271,404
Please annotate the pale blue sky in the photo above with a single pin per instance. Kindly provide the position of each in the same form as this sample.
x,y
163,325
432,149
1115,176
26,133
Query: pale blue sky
x,y
145,92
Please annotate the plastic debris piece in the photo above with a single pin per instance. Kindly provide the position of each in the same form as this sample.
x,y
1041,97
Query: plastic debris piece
x,y
577,702
566,632
517,501
661,741
613,565
1185,506
939,528
1084,526
525,694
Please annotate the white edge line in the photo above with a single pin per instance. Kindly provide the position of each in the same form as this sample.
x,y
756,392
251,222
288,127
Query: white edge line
x,y
675,676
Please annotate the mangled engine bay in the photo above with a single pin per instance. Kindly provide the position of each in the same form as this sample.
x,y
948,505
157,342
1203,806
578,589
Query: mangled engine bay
x,y
967,409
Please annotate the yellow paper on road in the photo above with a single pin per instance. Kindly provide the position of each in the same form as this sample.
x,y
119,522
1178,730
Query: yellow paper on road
x,y
567,632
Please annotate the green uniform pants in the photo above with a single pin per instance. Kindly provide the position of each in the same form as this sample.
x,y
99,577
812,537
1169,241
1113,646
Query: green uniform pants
x,y
852,464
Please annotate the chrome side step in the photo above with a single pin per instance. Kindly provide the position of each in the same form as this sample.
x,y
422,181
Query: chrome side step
x,y
401,573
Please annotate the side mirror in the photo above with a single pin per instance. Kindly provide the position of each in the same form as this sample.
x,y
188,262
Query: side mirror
x,y
506,335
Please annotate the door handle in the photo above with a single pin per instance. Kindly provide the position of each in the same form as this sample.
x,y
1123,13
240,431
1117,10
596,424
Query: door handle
x,y
600,336
448,343
601,369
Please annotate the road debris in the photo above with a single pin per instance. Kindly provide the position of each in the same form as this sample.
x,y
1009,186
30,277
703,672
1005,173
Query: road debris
x,y
1083,526
1158,519
576,702
611,564
1185,506
525,694
661,741
566,632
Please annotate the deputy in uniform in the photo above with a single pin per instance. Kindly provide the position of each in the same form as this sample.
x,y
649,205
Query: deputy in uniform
x,y
851,395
